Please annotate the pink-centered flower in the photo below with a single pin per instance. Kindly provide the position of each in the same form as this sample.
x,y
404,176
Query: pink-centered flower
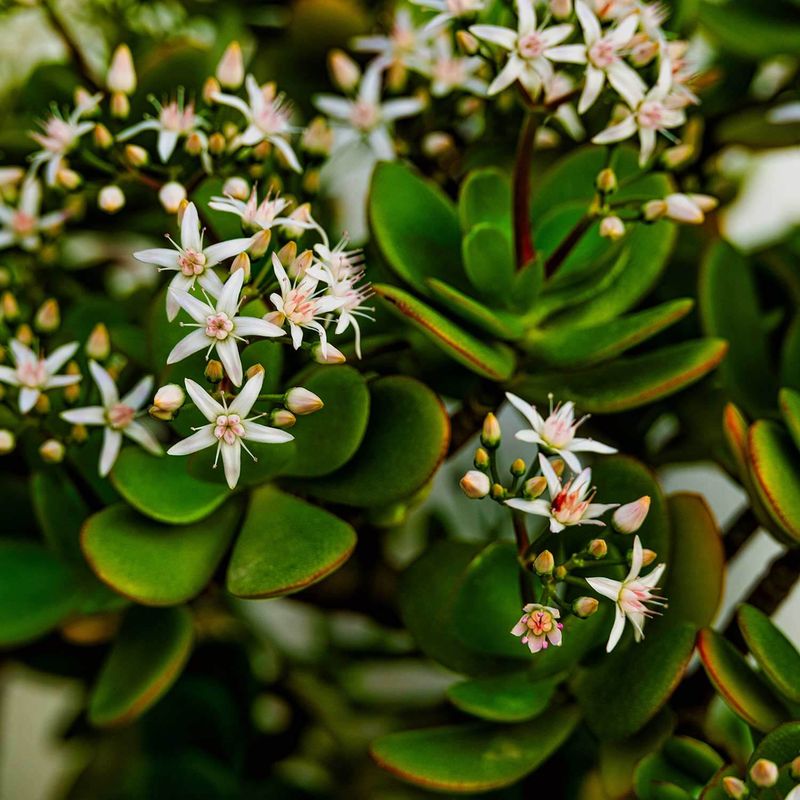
x,y
261,216
556,432
539,627
117,416
569,504
23,225
634,596
401,47
191,260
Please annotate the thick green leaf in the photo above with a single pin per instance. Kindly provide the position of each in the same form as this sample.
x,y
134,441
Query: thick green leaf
x,y
286,545
777,657
789,402
495,361
729,309
148,655
152,563
780,745
662,657
60,511
743,689
517,697
415,226
37,592
485,197
567,346
775,468
489,262
752,31
727,731
697,759
328,439
628,383
657,778
406,440
473,758
696,576
162,488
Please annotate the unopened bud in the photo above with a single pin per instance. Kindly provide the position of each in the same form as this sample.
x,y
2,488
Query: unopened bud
x,y
612,228
260,243
606,181
168,400
24,334
630,517
281,418
111,199
136,156
481,460
171,195
558,465
648,557
216,143
48,317
298,267
79,433
7,442
9,306
654,210
72,393
467,43
194,144
182,210
328,355
534,487
734,787
584,607
317,138
211,88
764,773
643,52
674,157
544,563
300,401
475,484
230,70
68,179
560,9
345,73
121,75
598,548
236,187
794,769
241,262
287,253
251,372
102,137
98,345
437,144
498,492
52,451
491,433
518,468
120,105
214,372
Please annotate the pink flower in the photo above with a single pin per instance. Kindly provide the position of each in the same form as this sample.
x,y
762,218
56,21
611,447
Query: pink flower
x,y
539,627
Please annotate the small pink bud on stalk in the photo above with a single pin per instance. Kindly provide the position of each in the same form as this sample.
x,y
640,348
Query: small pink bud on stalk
x,y
467,43
734,787
216,144
497,492
612,228
299,267
24,334
300,401
598,548
211,88
643,50
544,564
584,607
331,355
281,418
121,75
630,517
110,199
98,345
194,144
438,144
648,557
120,105
167,402
491,433
260,243
236,187
561,9
7,442
764,773
52,451
171,195
558,465
256,369
102,137
136,156
242,262
230,70
48,316
9,307
68,179
475,484
481,460
518,468
214,372
606,181
287,253
534,487
345,73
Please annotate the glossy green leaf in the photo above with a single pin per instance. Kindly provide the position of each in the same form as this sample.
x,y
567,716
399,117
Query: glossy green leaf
x,y
566,346
415,226
153,563
489,261
162,488
328,439
657,778
37,592
495,361
147,657
729,309
485,197
696,568
517,697
286,545
628,383
406,440
789,403
727,731
780,745
662,656
775,654
742,689
775,469
60,511
697,759
473,758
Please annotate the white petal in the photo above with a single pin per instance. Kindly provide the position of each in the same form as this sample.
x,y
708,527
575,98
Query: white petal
x,y
210,282
22,354
8,375
400,108
334,106
529,436
59,357
527,411
504,37
297,335
112,441
595,80
30,198
193,343
160,256
370,89
254,326
511,72
652,578
607,587
27,399
190,229
234,102
647,139
205,403
286,151
541,508
626,83
589,22
232,462
553,483
616,630
166,144
228,301
567,54
526,16
280,274
137,396
617,133
595,510
246,399
382,144
556,34
199,440
636,560
228,352
625,31
91,415
142,435
105,383
570,459
590,446
224,250
195,308
261,433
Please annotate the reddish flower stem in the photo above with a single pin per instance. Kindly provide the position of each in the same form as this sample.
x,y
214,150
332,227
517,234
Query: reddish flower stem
x,y
523,239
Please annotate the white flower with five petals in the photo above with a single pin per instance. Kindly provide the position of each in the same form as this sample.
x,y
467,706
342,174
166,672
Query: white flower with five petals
x,y
117,416
556,433
218,326
191,260
569,504
34,374
633,596
22,225
402,47
228,427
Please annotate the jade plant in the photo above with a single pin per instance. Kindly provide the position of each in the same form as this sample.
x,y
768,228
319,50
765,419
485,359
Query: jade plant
x,y
347,356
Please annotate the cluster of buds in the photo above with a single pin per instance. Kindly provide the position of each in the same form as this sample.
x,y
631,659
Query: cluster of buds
x,y
764,775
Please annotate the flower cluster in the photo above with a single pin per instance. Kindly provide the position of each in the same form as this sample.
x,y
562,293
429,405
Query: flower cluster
x,y
543,491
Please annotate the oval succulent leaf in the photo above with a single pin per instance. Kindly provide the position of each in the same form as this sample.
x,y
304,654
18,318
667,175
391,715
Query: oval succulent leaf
x,y
489,262
485,197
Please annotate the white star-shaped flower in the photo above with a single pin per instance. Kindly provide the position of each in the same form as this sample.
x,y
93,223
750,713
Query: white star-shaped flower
x,y
22,225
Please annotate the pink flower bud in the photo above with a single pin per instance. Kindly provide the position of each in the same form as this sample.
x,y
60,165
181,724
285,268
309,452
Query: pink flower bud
x,y
110,199
584,607
171,195
98,345
612,228
242,262
544,563
345,73
237,188
630,517
300,401
169,398
535,487
561,9
121,75
48,317
734,787
598,548
648,556
764,773
281,418
331,355
491,433
475,484
120,105
7,442
52,451
230,70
